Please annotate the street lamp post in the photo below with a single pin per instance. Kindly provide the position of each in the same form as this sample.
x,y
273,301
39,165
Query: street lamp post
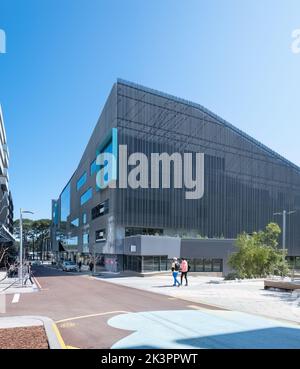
x,y
284,214
21,243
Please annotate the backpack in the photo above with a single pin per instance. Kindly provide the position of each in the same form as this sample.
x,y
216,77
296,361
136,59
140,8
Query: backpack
x,y
177,266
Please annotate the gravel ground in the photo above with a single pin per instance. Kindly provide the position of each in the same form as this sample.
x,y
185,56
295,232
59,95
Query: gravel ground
x,y
23,338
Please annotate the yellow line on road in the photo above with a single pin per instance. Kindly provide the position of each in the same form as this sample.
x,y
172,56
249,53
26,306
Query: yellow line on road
x,y
72,347
59,337
92,315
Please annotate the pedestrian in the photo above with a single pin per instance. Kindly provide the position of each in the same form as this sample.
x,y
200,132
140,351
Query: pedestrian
x,y
184,268
79,265
28,274
175,269
91,265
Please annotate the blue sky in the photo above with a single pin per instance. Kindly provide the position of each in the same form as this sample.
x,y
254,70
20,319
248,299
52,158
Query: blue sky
x,y
234,57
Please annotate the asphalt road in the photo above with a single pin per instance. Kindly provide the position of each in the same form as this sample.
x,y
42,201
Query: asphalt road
x,y
81,306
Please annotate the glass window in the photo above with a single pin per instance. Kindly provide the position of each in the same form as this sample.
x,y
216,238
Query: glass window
x,y
100,209
133,231
217,265
156,263
93,167
163,263
72,241
54,212
147,263
207,265
198,265
131,262
85,238
86,196
85,242
81,181
75,222
65,199
100,235
84,218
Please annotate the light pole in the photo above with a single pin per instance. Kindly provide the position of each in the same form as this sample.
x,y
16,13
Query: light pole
x,y
284,213
21,242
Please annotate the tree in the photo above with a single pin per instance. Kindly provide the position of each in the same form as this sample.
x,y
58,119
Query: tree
x,y
258,254
34,233
3,253
41,229
270,235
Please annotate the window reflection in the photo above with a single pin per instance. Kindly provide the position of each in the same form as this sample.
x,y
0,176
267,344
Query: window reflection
x,y
86,196
65,203
81,181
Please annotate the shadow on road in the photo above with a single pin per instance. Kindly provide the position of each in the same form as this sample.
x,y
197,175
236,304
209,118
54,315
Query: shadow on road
x,y
266,338
49,271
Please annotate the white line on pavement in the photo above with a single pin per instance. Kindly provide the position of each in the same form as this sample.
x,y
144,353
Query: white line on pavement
x,y
16,298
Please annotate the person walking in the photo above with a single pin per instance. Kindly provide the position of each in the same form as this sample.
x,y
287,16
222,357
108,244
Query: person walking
x,y
175,269
79,265
184,268
28,274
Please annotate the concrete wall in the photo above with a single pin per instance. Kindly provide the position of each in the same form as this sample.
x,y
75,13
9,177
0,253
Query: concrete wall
x,y
153,245
208,249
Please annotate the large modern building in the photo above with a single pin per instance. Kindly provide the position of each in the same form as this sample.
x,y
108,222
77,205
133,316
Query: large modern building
x,y
140,227
6,202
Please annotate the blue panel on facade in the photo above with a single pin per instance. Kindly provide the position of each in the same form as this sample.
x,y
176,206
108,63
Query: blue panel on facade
x,y
81,181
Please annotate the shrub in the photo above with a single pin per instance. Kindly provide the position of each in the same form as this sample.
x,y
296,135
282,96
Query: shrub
x,y
258,255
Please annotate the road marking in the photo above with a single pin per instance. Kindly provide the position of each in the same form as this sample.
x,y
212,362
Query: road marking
x,y
72,347
172,298
92,315
58,336
16,298
67,325
37,282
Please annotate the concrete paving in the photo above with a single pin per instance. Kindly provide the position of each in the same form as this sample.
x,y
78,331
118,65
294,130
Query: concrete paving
x,y
12,285
248,297
204,329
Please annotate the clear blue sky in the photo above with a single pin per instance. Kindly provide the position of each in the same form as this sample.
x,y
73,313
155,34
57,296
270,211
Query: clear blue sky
x,y
63,56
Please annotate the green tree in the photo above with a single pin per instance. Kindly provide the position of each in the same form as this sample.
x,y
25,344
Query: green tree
x,y
269,237
34,233
258,254
41,229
